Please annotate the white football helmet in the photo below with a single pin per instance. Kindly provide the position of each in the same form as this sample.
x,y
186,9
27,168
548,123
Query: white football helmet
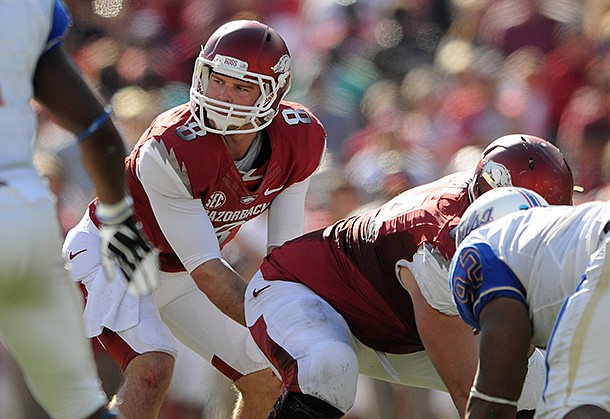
x,y
246,50
495,204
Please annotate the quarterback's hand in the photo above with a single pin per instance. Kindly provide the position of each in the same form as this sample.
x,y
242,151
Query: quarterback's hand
x,y
124,243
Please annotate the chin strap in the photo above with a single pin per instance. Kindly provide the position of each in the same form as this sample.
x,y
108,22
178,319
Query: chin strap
x,y
489,180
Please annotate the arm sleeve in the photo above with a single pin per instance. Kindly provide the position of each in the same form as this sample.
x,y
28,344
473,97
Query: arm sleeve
x,y
286,219
61,23
182,218
477,276
287,214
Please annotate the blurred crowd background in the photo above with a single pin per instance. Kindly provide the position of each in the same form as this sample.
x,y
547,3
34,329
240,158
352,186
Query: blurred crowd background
x,y
409,90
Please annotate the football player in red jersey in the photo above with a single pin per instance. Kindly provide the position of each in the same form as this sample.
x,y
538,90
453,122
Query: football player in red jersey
x,y
198,173
370,293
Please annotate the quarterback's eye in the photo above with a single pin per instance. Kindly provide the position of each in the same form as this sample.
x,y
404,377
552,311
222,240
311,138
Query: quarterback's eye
x,y
216,80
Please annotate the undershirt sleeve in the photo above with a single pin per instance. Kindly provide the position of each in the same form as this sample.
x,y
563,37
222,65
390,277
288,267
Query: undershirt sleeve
x,y
287,214
59,28
182,218
286,218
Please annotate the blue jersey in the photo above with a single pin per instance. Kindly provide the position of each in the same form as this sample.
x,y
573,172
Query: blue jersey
x,y
478,276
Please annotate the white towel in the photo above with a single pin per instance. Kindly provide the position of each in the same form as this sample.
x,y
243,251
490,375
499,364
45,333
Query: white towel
x,y
108,302
109,305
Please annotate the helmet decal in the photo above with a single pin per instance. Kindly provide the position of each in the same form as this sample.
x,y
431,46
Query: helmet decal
x,y
473,222
229,63
496,174
283,64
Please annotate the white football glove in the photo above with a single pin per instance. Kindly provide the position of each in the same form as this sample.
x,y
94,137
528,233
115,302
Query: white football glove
x,y
124,243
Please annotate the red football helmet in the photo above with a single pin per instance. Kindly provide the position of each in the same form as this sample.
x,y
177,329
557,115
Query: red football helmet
x,y
525,161
246,50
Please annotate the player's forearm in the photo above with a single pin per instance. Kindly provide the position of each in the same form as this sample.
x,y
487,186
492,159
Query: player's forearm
x,y
103,157
61,88
441,334
504,345
224,288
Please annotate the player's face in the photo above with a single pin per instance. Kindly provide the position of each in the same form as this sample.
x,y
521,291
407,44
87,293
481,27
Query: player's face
x,y
230,90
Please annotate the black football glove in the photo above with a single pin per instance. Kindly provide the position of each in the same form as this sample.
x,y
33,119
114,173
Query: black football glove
x,y
124,244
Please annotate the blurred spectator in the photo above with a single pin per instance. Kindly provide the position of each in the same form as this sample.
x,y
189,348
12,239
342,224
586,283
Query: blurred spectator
x,y
134,110
590,160
376,157
344,199
340,121
381,110
465,159
510,25
565,69
584,132
467,113
522,96
407,40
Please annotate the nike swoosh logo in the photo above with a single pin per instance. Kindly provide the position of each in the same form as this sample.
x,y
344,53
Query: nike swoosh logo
x,y
256,292
270,191
75,254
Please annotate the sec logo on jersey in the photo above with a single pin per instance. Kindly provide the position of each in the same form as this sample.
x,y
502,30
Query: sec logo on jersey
x,y
216,200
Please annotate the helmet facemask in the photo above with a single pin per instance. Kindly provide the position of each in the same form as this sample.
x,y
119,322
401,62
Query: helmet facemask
x,y
230,118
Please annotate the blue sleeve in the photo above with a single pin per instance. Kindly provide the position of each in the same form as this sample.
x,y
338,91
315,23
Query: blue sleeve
x,y
61,23
477,276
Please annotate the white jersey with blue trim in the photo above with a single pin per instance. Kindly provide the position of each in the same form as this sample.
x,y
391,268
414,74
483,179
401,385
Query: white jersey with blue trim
x,y
28,29
536,256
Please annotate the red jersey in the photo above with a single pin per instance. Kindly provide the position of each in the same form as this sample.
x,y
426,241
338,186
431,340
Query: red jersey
x,y
292,147
352,263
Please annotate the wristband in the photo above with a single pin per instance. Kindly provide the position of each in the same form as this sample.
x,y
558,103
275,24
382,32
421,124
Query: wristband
x,y
96,124
114,213
498,400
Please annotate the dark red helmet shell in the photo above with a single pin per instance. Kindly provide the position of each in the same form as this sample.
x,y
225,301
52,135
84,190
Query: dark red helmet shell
x,y
525,161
